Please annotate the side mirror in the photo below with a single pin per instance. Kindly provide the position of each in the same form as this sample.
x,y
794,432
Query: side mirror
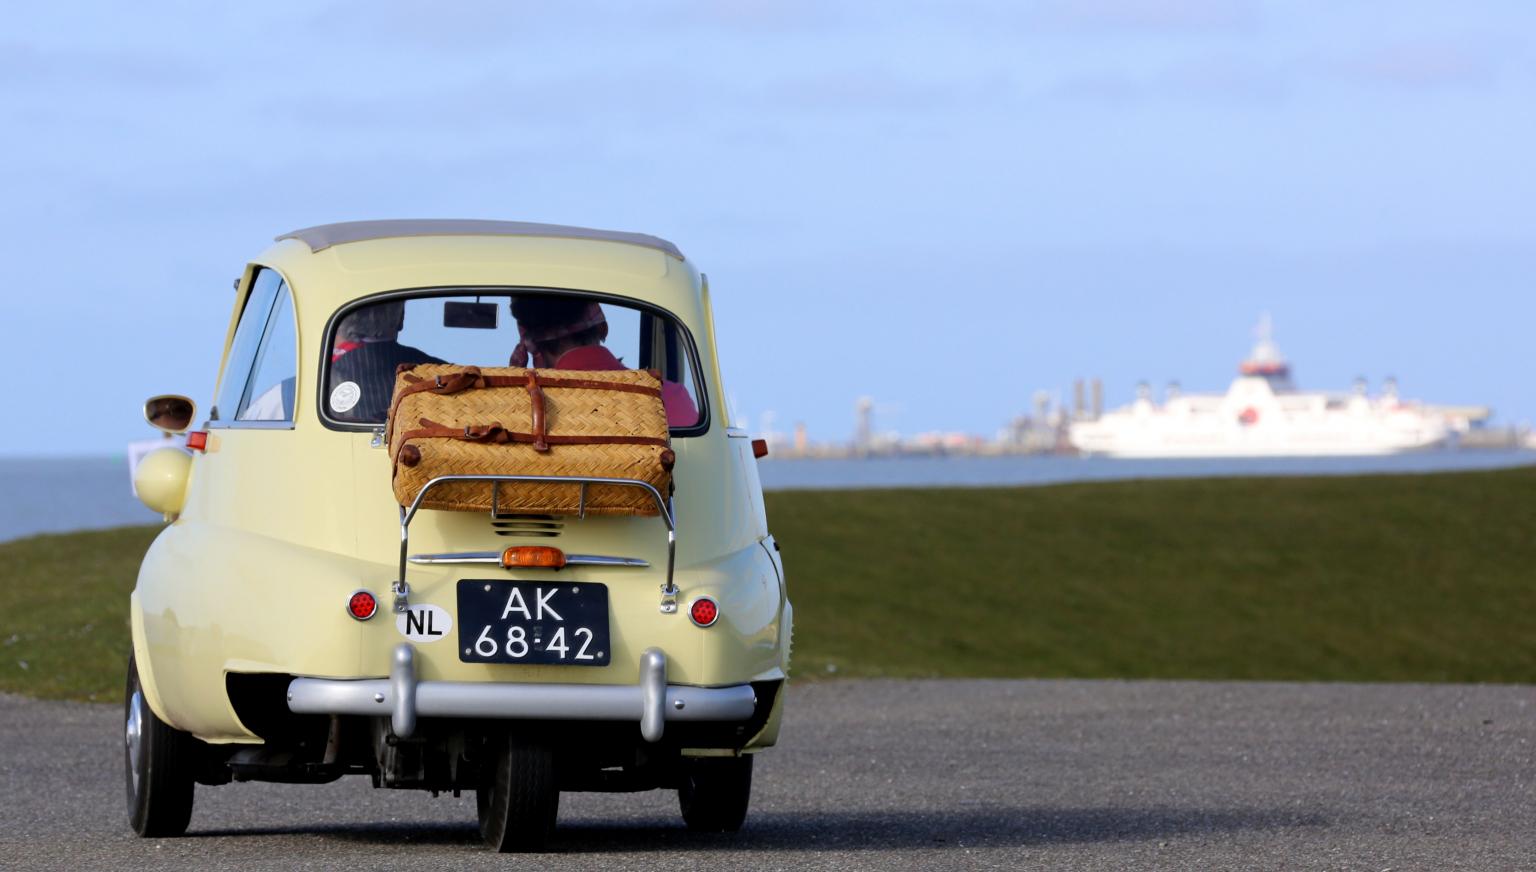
x,y
169,413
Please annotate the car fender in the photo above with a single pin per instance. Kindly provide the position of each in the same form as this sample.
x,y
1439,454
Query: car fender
x,y
200,613
143,662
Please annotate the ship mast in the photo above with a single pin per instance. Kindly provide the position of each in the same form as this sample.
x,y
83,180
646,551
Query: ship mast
x,y
1265,360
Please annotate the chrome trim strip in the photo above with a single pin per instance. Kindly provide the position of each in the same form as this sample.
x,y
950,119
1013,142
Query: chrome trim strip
x,y
247,425
495,557
736,433
378,697
458,557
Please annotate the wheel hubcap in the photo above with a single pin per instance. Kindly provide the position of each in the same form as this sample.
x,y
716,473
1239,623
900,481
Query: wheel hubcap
x,y
134,729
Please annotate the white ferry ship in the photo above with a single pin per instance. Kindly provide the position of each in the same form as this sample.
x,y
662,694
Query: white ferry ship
x,y
1262,414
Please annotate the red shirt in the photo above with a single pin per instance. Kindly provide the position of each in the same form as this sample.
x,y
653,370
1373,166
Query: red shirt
x,y
679,405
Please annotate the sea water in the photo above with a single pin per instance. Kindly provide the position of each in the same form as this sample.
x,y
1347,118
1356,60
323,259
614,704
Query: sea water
x,y
46,495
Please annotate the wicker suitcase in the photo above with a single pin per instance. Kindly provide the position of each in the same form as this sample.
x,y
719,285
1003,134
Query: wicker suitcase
x,y
457,420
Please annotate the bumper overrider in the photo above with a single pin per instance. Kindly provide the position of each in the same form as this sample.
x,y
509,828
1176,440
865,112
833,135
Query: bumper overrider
x,y
652,702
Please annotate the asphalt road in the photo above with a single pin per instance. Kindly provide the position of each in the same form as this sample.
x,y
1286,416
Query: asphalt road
x,y
903,775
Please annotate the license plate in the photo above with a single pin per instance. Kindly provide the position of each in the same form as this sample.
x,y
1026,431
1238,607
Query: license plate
x,y
533,622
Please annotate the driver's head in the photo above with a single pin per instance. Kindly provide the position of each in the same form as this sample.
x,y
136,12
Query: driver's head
x,y
380,322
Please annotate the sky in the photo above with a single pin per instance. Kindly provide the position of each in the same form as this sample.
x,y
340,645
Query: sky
x,y
942,206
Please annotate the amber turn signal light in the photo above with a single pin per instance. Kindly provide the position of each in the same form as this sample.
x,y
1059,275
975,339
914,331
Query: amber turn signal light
x,y
533,557
759,448
197,440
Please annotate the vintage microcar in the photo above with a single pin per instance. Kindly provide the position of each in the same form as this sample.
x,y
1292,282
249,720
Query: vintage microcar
x,y
295,623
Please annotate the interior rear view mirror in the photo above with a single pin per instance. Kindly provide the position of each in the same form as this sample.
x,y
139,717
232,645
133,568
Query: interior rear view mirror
x,y
169,413
476,316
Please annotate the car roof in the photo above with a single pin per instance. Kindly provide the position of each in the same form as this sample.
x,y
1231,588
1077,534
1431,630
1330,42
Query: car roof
x,y
324,236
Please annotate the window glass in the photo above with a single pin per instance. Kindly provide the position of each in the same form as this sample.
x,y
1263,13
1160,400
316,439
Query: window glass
x,y
275,374
242,351
565,331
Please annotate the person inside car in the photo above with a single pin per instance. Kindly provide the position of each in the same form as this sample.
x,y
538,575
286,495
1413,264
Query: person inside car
x,y
363,361
565,333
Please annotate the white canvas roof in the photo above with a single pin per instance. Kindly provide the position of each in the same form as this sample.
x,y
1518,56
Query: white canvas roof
x,y
324,236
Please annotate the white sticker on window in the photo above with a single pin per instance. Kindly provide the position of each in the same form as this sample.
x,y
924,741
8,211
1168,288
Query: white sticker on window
x,y
345,396
424,623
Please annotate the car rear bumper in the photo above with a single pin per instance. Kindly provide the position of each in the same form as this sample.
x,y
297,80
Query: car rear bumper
x,y
651,702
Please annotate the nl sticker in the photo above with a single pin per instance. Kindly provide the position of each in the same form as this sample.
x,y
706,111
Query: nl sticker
x,y
424,623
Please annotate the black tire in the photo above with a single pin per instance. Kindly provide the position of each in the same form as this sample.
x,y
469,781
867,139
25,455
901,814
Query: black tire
x,y
158,762
519,797
715,792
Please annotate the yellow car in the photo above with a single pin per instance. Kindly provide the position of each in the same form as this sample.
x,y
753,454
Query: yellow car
x,y
294,623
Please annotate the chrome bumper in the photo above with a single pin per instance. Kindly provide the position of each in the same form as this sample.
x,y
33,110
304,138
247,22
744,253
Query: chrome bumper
x,y
651,702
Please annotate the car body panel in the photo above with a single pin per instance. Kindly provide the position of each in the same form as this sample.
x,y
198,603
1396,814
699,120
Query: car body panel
x,y
282,523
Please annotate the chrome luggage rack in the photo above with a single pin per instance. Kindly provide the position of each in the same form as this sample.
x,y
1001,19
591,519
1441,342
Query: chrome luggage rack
x,y
402,589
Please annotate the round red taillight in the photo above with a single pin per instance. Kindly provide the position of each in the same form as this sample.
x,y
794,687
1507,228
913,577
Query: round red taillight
x,y
704,611
362,605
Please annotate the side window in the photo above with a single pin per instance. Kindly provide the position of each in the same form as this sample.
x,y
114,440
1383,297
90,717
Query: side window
x,y
275,373
662,348
242,351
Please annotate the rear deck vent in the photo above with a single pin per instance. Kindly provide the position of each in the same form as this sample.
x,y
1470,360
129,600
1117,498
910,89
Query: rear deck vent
x,y
538,526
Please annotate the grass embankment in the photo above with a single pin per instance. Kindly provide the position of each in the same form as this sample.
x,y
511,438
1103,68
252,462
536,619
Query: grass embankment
x,y
1411,578
64,612
1403,578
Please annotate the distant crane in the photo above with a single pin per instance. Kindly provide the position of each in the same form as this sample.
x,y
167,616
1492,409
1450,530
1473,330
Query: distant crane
x,y
864,426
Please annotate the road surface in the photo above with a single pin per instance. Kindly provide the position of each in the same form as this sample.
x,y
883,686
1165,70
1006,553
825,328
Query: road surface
x,y
902,775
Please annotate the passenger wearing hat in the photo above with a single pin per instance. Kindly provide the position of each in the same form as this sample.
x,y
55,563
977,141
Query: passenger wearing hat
x,y
565,333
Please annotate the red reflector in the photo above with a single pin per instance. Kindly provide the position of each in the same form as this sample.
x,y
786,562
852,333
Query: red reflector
x,y
533,557
197,440
703,611
362,605
759,448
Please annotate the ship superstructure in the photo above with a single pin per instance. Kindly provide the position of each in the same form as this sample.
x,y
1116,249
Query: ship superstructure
x,y
1262,414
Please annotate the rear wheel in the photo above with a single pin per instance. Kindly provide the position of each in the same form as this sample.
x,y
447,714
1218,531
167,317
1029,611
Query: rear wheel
x,y
715,792
518,798
159,766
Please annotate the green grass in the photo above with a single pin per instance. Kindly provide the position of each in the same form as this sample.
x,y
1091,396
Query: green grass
x,y
1406,578
64,612
1402,578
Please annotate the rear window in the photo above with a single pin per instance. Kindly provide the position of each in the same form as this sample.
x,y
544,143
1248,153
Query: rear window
x,y
544,330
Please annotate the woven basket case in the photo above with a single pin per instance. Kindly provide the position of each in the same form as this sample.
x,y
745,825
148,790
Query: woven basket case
x,y
600,424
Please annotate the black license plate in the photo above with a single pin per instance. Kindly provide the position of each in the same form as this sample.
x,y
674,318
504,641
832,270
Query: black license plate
x,y
533,622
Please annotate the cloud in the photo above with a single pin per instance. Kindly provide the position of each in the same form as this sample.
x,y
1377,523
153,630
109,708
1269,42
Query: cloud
x,y
1420,66
1219,78
1146,15
482,25
31,66
873,90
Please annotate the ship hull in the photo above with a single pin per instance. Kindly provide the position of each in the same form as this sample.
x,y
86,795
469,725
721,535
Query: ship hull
x,y
1196,452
